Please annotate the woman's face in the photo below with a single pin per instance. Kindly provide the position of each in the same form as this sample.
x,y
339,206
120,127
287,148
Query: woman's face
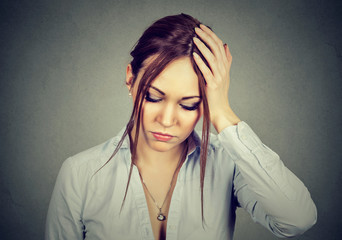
x,y
171,108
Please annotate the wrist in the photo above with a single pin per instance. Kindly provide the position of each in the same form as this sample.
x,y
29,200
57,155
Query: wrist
x,y
224,119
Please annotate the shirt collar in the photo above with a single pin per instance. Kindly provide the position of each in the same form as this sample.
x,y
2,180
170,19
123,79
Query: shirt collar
x,y
117,138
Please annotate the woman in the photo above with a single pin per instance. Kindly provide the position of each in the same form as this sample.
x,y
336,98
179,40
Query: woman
x,y
158,179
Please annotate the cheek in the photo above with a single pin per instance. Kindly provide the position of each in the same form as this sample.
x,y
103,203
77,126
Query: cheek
x,y
149,111
189,119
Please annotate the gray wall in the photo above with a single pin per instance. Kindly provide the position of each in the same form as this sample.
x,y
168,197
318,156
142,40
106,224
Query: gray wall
x,y
62,72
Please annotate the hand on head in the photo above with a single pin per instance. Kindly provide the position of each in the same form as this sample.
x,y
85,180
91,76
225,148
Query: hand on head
x,y
217,76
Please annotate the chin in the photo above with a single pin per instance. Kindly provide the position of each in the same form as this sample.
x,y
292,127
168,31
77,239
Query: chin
x,y
162,146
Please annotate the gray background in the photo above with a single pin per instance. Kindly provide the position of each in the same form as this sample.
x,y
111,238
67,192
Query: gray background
x,y
62,73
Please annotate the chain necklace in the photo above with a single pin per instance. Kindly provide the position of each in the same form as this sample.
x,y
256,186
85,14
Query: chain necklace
x,y
161,216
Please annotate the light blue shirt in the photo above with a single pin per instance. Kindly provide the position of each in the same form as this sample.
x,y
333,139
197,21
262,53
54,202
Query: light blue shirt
x,y
241,172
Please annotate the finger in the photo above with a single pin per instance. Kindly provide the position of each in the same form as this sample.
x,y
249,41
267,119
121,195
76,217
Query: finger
x,y
217,49
228,54
207,74
215,37
213,45
207,30
208,55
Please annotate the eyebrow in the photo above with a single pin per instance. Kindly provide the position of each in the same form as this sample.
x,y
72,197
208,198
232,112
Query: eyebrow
x,y
183,98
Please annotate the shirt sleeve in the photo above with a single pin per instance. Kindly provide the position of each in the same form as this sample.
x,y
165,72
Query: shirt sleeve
x,y
263,186
63,218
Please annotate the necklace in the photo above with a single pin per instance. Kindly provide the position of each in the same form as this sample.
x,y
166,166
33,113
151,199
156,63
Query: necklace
x,y
161,216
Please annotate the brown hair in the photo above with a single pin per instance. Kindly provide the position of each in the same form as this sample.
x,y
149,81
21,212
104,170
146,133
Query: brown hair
x,y
166,40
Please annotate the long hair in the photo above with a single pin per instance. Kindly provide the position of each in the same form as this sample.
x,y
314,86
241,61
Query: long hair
x,y
166,40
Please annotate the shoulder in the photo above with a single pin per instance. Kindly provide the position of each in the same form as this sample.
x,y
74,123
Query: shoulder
x,y
78,171
219,163
214,141
215,150
234,137
90,155
93,158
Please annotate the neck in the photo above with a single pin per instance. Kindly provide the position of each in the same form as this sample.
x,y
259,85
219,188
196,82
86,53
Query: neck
x,y
147,158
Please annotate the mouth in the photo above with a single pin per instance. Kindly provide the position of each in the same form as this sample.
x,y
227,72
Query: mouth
x,y
162,136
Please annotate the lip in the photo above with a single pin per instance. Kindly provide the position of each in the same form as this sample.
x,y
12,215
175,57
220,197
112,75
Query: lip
x,y
162,136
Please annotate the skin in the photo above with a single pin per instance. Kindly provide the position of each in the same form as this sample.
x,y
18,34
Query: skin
x,y
165,110
157,160
166,114
217,77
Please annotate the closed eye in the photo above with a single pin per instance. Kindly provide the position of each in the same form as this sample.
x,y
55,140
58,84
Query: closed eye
x,y
150,98
188,107
192,107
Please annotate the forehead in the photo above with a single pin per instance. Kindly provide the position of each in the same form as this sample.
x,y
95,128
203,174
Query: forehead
x,y
178,78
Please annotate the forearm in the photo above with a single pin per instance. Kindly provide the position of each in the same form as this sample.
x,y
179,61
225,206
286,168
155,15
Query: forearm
x,y
280,197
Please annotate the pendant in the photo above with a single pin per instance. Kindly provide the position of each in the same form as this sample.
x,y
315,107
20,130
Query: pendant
x,y
161,217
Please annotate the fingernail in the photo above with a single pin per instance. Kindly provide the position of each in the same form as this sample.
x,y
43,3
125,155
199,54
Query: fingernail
x,y
195,39
195,55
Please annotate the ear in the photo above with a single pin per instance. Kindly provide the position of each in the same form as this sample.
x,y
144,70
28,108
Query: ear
x,y
129,77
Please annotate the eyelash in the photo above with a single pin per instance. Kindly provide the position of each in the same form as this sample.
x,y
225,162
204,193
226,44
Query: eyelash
x,y
149,99
192,108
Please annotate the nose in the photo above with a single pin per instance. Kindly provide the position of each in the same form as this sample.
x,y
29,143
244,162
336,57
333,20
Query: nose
x,y
167,116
